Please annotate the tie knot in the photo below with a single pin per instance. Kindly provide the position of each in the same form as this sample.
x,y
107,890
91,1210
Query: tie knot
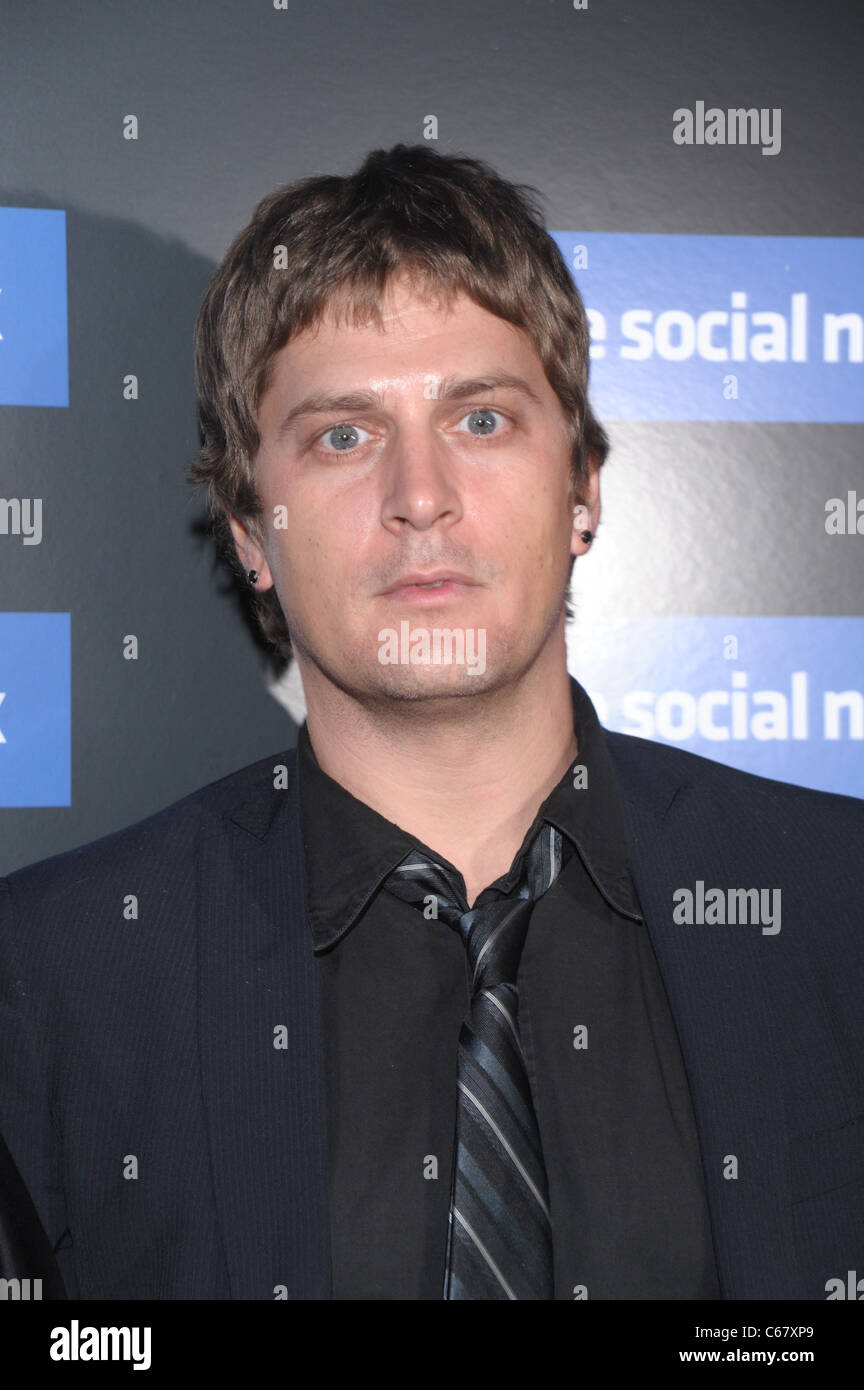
x,y
494,933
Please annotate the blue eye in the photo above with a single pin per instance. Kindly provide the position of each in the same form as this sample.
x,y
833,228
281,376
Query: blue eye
x,y
343,438
484,420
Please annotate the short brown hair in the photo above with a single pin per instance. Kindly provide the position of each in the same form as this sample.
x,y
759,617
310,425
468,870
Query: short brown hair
x,y
450,222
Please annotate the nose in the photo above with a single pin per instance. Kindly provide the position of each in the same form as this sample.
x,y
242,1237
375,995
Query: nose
x,y
421,484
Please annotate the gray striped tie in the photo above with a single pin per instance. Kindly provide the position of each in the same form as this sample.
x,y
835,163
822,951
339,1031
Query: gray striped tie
x,y
500,1235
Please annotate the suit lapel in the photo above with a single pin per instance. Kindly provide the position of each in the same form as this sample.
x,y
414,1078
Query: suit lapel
x,y
717,980
259,1032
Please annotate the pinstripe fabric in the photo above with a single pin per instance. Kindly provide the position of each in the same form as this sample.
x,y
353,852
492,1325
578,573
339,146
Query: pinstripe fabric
x,y
500,1235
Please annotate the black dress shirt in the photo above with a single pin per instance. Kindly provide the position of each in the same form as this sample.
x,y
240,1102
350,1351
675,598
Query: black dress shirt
x,y
626,1184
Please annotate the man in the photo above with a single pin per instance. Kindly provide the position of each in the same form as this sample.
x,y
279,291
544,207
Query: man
x,y
410,1012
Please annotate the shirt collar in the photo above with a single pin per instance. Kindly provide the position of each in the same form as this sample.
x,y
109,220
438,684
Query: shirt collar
x,y
350,848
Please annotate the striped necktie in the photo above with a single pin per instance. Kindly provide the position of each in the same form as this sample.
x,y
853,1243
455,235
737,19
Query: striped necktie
x,y
499,1243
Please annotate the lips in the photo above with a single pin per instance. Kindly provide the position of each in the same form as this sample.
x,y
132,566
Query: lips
x,y
418,580
428,591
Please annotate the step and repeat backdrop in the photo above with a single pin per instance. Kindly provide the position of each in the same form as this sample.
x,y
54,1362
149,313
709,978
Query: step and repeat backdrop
x,y
700,168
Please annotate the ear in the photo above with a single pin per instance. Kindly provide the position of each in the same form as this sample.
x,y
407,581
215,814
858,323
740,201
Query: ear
x,y
585,509
250,553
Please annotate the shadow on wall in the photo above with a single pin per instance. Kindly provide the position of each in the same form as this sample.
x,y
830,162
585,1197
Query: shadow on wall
x,y
125,550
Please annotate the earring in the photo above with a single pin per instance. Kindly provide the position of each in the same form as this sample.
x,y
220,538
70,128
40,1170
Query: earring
x,y
586,536
252,576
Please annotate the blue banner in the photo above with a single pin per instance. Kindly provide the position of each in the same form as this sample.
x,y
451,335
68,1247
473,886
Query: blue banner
x,y
781,697
34,346
35,709
722,327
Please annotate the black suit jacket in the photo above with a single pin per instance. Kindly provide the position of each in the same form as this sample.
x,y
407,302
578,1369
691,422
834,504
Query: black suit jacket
x,y
161,1085
28,1266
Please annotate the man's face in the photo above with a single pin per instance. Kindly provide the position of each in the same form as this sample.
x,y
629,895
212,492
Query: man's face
x,y
430,473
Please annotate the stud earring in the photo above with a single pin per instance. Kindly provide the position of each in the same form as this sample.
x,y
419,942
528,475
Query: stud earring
x,y
252,576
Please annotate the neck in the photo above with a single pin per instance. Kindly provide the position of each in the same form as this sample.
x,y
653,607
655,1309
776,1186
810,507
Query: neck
x,y
465,776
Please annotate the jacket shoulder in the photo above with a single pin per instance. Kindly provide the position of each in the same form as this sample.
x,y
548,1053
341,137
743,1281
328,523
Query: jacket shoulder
x,y
166,836
641,761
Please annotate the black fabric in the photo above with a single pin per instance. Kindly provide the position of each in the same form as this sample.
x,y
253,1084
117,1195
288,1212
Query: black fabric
x,y
626,1184
25,1251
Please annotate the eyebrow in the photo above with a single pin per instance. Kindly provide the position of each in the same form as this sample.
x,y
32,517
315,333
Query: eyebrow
x,y
449,389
